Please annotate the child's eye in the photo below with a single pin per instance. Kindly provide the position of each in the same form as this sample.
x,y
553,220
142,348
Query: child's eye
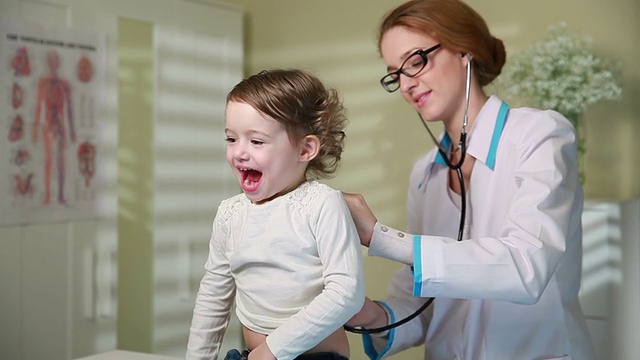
x,y
257,142
229,139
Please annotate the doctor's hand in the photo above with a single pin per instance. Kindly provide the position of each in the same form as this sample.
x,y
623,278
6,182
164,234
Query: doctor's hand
x,y
372,315
362,216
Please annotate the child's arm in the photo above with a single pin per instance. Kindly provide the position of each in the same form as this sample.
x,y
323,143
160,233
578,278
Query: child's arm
x,y
343,294
214,301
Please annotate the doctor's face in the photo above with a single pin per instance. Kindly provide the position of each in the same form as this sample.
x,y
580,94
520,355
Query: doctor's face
x,y
437,91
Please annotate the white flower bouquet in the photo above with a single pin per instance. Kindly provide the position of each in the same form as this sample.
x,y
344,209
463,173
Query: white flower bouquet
x,y
561,72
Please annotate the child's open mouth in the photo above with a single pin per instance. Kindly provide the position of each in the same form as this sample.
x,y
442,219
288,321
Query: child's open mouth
x,y
250,179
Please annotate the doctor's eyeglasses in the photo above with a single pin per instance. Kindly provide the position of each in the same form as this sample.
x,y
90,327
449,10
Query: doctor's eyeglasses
x,y
410,67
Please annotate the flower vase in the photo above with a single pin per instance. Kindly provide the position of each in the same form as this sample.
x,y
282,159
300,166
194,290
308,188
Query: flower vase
x,y
576,119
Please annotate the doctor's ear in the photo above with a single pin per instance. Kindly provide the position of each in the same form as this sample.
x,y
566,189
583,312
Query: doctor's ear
x,y
468,55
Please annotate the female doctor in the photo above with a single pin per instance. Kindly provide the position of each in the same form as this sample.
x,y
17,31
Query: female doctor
x,y
505,278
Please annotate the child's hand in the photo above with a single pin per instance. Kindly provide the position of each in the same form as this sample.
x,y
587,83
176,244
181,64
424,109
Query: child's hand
x,y
262,352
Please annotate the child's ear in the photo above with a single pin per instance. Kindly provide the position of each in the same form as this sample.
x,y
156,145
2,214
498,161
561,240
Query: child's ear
x,y
310,148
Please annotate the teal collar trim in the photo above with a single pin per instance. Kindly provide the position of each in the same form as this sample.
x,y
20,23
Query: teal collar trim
x,y
495,139
446,143
497,132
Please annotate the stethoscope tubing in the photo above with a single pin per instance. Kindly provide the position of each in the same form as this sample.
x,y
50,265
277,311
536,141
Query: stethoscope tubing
x,y
463,208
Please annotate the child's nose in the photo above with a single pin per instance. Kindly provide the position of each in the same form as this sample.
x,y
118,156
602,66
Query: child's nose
x,y
241,152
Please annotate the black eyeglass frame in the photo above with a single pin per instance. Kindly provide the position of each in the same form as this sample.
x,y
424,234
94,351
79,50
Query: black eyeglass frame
x,y
393,78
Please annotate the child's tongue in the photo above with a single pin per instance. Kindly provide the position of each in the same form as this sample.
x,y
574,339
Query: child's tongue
x,y
251,180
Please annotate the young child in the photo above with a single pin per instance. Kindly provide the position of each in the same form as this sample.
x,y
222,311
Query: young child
x,y
286,250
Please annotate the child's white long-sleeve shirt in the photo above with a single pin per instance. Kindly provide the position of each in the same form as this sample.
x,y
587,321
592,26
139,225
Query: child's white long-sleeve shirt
x,y
293,266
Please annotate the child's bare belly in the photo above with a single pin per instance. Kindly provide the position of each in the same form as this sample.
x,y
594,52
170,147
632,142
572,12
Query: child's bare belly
x,y
336,342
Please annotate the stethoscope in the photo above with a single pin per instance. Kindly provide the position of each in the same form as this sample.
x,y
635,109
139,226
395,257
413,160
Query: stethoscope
x,y
463,208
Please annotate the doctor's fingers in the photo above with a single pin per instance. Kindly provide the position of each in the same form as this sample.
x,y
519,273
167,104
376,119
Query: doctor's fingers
x,y
362,215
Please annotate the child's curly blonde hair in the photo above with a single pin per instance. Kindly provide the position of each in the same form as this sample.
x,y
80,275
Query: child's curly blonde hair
x,y
304,105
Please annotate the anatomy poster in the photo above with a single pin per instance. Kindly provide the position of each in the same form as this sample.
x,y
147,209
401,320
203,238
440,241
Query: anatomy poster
x,y
52,83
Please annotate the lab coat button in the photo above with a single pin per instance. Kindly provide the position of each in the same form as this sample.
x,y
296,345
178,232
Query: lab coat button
x,y
384,228
400,235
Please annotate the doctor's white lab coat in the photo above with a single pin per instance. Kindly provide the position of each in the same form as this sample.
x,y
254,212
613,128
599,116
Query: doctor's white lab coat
x,y
509,290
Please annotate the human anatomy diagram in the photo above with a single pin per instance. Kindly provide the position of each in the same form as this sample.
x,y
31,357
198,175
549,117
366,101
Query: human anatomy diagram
x,y
20,63
49,145
87,161
54,97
